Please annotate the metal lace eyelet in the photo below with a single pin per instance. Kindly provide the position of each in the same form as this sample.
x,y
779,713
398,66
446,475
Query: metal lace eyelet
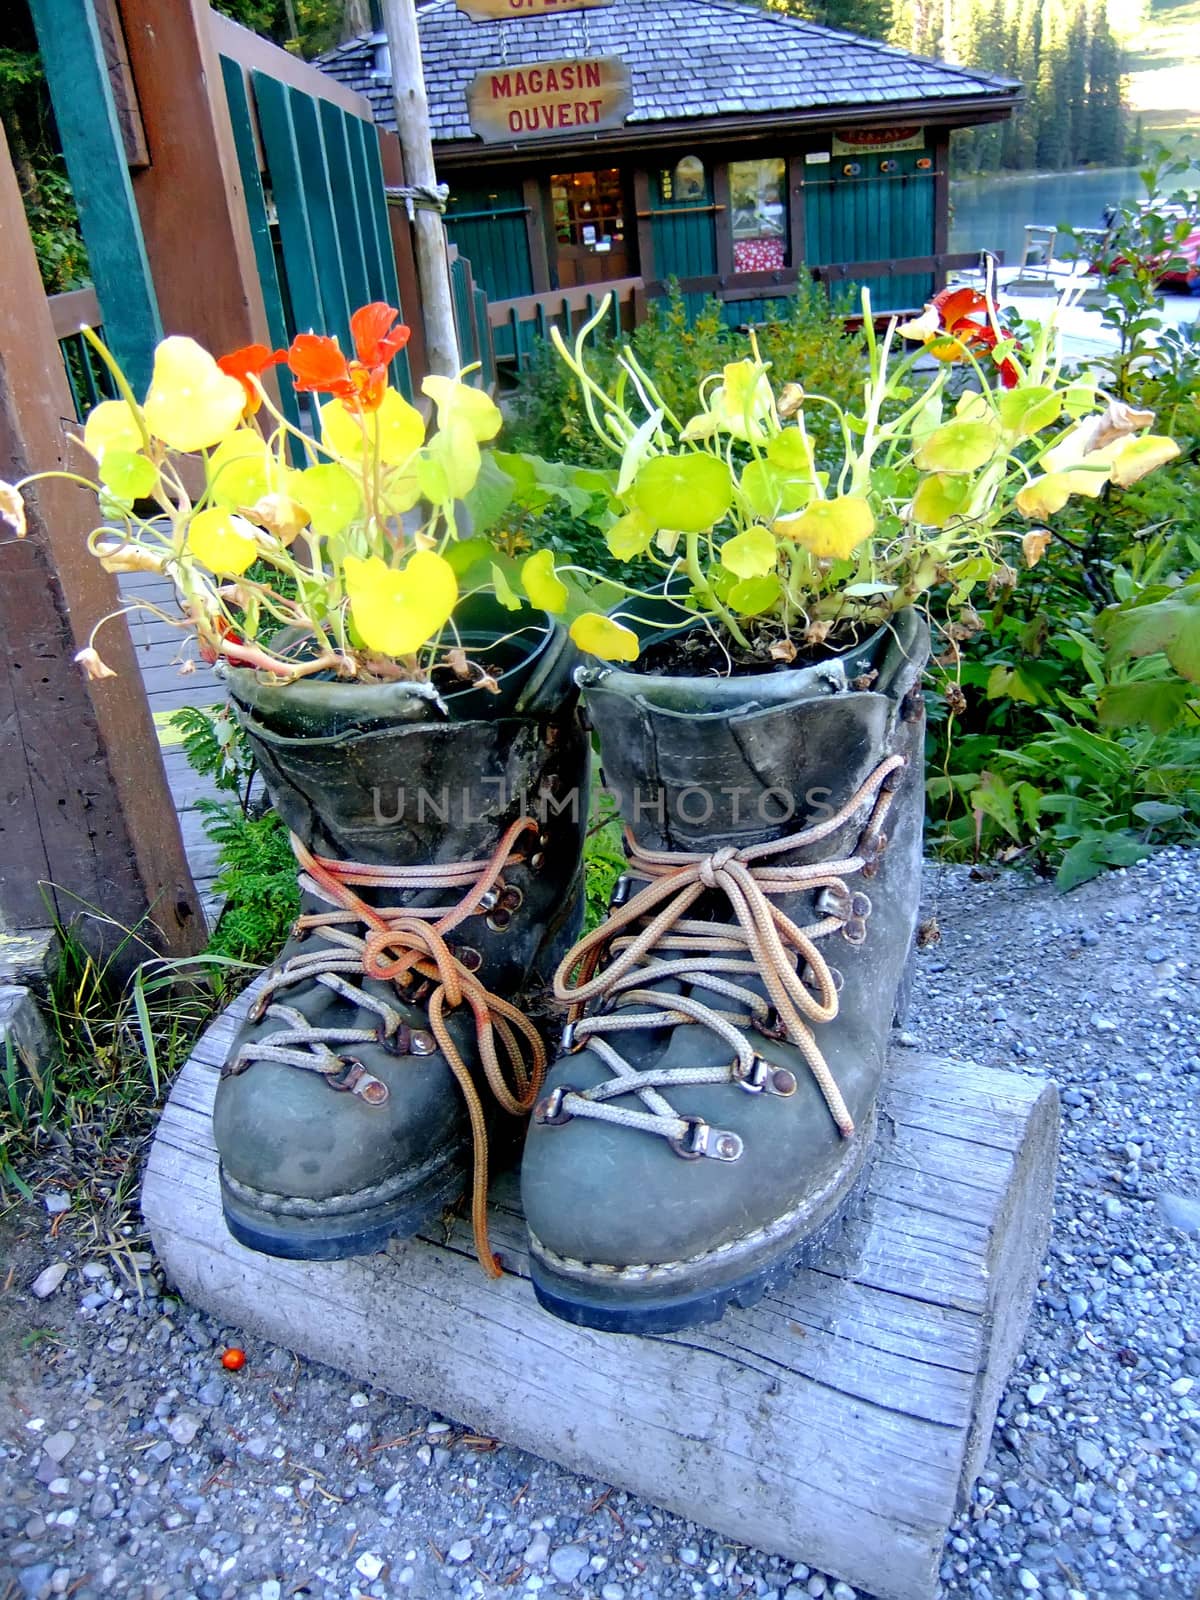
x,y
396,1043
763,1077
355,1079
489,900
537,861
512,898
422,1043
860,905
549,1111
855,931
699,1139
499,920
620,892
469,957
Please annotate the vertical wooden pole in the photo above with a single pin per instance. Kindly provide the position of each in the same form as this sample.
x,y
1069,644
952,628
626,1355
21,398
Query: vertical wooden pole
x,y
193,210
412,121
77,75
535,194
941,204
84,803
796,219
724,218
645,231
402,247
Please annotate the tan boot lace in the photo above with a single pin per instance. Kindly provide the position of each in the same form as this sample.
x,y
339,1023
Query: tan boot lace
x,y
763,942
404,945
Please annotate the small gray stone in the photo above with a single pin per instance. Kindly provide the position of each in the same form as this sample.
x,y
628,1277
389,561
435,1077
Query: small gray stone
x,y
160,1452
48,1280
461,1550
103,1505
1180,1387
689,1555
34,1579
537,1551
568,1562
612,1591
211,1393
1077,1305
1028,1580
59,1445
1182,1211
1121,1267
183,1428
56,1201
1090,1454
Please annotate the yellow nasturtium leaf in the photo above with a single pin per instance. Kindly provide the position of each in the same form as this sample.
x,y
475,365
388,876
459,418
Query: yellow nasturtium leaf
x,y
940,498
545,588
1050,493
449,465
394,612
503,590
687,492
1024,412
331,496
1134,458
958,446
788,450
630,536
400,429
223,543
128,475
743,401
240,470
752,596
191,404
111,426
830,529
460,402
751,554
601,636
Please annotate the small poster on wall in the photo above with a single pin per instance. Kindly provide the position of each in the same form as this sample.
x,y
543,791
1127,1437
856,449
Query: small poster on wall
x,y
854,141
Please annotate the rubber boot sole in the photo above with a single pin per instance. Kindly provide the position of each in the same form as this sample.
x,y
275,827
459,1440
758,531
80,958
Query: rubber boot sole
x,y
610,1304
350,1230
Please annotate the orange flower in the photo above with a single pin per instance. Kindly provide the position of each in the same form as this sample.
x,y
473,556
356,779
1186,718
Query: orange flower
x,y
317,363
246,364
950,328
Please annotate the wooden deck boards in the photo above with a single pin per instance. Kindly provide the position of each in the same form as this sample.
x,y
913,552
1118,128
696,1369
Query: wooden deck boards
x,y
160,650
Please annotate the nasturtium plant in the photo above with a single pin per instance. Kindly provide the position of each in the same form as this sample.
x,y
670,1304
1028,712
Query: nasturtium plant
x,y
734,518
272,535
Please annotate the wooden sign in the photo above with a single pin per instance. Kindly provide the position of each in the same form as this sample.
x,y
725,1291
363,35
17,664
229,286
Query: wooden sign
x,y
859,141
544,99
501,10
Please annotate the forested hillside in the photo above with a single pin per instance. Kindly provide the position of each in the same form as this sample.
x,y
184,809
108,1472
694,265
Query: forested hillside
x,y
1063,51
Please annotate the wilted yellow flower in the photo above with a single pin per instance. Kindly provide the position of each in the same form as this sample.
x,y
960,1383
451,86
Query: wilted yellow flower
x,y
89,659
12,508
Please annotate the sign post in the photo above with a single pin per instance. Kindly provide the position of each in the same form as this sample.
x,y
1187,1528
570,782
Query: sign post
x,y
412,124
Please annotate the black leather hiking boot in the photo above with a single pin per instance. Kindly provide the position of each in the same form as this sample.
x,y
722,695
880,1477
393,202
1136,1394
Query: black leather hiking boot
x,y
714,1101
439,844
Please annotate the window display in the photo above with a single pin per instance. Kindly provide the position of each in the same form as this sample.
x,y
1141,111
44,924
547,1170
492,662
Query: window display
x,y
758,198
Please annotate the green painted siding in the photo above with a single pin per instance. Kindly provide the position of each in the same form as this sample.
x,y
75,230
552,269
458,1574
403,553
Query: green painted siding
x,y
489,228
874,217
685,235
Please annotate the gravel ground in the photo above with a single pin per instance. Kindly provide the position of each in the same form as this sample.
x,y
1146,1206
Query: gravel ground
x,y
132,1464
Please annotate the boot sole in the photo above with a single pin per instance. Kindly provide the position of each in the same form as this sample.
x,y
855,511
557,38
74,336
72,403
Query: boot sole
x,y
349,1231
610,1307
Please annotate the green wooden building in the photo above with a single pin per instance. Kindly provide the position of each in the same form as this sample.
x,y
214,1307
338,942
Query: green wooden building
x,y
709,141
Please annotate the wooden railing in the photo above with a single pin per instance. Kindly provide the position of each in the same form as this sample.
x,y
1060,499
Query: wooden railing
x,y
88,379
518,324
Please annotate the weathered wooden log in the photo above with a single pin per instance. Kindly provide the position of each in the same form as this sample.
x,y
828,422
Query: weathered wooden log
x,y
837,1423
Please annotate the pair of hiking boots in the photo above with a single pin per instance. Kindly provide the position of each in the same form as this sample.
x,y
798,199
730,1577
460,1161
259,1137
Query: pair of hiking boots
x,y
712,1102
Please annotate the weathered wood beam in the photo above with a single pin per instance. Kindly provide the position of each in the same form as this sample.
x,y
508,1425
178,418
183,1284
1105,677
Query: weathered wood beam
x,y
84,803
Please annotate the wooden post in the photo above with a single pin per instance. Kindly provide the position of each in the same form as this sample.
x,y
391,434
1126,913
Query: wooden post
x,y
535,192
84,803
796,217
77,75
645,230
392,162
412,121
193,210
941,204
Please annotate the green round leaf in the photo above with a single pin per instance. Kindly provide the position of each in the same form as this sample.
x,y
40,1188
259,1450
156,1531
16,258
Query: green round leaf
x,y
771,491
630,535
940,498
751,554
752,596
788,450
958,446
689,492
127,475
238,469
331,496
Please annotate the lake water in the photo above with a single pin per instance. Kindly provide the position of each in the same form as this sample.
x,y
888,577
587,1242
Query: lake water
x,y
990,213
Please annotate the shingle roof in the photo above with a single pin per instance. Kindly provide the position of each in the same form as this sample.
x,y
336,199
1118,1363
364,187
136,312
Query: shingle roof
x,y
687,58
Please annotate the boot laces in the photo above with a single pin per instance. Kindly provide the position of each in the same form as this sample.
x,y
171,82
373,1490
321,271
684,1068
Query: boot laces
x,y
404,945
650,938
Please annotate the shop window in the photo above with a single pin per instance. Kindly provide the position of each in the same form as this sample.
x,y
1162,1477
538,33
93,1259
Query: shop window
x,y
690,181
758,202
588,210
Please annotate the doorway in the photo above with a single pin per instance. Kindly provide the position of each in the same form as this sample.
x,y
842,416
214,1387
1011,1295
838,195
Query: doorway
x,y
588,217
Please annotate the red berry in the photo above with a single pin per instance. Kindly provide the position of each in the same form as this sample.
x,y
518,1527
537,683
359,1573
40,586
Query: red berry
x,y
233,1360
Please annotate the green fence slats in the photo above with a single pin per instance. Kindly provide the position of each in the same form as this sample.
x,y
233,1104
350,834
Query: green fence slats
x,y
318,205
291,206
74,62
347,206
260,227
489,228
